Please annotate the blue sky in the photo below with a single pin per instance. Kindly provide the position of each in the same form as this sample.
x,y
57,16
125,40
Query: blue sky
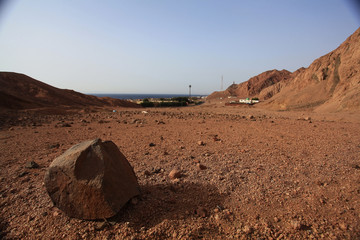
x,y
162,46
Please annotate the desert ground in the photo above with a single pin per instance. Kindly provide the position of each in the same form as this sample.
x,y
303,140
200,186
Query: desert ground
x,y
247,173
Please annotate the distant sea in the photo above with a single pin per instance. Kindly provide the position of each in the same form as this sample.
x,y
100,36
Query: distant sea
x,y
142,96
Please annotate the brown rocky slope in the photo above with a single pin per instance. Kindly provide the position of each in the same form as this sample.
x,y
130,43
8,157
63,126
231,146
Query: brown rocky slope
x,y
330,83
254,85
18,91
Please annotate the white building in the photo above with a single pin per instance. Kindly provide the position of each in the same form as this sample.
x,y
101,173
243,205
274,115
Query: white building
x,y
248,101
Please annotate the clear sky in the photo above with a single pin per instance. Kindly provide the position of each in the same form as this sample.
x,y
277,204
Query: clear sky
x,y
162,46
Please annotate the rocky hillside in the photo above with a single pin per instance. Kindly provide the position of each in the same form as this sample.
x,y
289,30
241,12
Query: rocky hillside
x,y
254,85
330,83
18,91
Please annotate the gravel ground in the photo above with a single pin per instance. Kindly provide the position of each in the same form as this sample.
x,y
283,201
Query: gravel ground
x,y
245,174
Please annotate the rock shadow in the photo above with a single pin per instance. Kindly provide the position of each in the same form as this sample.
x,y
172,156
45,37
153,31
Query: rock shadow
x,y
171,201
3,227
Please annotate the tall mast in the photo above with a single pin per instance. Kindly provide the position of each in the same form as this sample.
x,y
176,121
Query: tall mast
x,y
222,82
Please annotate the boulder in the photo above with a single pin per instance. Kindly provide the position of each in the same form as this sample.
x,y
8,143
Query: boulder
x,y
91,180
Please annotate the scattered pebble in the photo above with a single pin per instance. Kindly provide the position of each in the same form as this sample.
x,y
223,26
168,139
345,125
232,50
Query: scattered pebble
x,y
32,165
100,226
200,166
201,211
175,173
295,224
134,201
343,226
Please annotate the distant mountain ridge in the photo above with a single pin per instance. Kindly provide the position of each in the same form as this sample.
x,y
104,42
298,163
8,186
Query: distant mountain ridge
x,y
18,91
330,83
254,85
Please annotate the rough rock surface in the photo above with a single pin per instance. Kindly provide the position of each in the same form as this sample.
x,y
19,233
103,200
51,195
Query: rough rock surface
x,y
91,180
254,85
330,84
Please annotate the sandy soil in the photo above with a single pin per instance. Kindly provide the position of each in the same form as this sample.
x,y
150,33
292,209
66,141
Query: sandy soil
x,y
263,175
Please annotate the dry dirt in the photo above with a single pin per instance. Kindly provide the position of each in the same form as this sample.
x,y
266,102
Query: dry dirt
x,y
264,175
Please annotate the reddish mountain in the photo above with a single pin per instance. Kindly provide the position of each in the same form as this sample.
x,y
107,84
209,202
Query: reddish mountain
x,y
330,83
254,85
18,91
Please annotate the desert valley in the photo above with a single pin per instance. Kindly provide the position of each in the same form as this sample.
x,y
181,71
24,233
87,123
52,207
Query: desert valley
x,y
285,168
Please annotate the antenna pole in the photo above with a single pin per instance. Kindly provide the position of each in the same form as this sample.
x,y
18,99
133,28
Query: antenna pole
x,y
189,91
222,82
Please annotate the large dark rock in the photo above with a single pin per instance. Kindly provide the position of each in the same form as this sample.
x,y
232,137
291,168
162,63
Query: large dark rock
x,y
91,180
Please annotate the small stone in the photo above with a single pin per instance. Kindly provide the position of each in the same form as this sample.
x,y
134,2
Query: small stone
x,y
356,166
276,219
200,166
201,143
134,201
100,226
152,144
57,145
216,138
156,170
228,212
343,226
147,173
31,165
175,173
23,173
295,224
247,229
201,211
25,180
